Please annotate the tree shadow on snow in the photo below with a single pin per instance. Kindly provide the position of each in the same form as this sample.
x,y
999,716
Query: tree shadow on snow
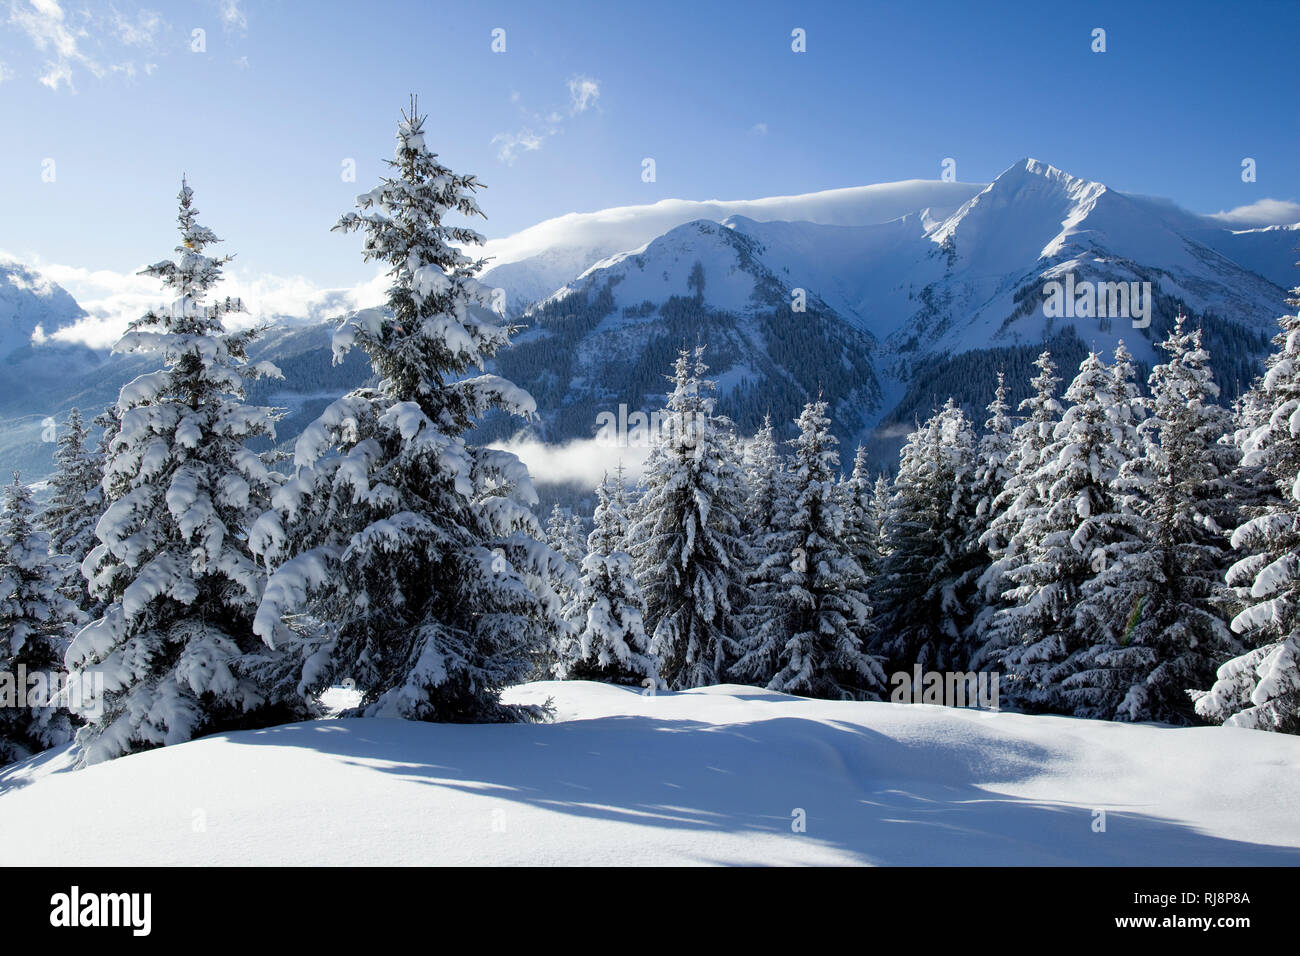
x,y
877,799
22,773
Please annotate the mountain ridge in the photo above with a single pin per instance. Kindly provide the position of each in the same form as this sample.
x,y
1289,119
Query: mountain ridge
x,y
895,280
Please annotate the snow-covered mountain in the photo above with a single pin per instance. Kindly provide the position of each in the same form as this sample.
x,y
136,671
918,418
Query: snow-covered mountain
x,y
31,308
32,367
606,338
1036,223
533,263
912,291
29,301
888,300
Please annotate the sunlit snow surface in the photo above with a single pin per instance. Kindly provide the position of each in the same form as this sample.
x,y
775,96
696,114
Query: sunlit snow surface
x,y
718,775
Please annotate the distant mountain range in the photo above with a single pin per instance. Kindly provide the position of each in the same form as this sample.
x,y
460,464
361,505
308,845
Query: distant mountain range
x,y
886,299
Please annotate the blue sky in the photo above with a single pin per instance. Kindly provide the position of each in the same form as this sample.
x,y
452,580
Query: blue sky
x,y
284,93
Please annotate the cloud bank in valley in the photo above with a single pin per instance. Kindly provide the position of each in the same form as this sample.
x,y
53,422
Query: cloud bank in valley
x,y
584,461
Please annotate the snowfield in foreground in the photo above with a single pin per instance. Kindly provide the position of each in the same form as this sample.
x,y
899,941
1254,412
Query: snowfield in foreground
x,y
716,775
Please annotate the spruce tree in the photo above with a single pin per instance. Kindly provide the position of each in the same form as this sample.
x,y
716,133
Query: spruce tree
x,y
1013,507
565,539
860,528
564,535
421,551
767,557
823,611
877,515
609,613
992,472
685,537
1260,689
174,645
35,623
76,503
1128,406
1063,541
926,580
766,478
1155,610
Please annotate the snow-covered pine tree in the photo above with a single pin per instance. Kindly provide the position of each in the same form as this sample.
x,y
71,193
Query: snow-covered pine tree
x,y
75,506
174,645
564,535
1020,498
878,514
421,552
35,625
685,537
609,612
109,423
925,582
766,478
860,528
767,557
1062,542
565,538
820,607
992,472
1129,407
1260,689
1154,610
1257,491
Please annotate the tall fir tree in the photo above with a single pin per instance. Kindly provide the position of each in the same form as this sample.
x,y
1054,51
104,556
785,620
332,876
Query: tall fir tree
x,y
766,478
1155,610
174,646
993,457
877,517
926,580
1020,499
819,615
860,528
685,536
35,626
1260,689
767,556
420,550
609,613
564,535
75,505
1128,407
992,472
1063,541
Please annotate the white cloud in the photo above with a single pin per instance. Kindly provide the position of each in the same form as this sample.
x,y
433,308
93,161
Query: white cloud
x,y
5,72
583,461
539,127
233,16
758,129
509,144
64,39
49,29
113,299
1263,212
142,33
583,93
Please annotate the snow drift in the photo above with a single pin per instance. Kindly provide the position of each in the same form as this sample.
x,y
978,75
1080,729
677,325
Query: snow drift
x,y
720,775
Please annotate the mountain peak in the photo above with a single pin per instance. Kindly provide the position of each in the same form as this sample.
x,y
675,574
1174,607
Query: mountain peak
x,y
1030,170
29,300
1031,204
